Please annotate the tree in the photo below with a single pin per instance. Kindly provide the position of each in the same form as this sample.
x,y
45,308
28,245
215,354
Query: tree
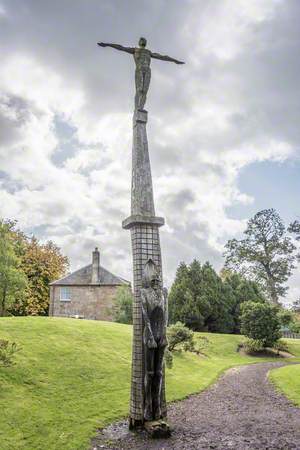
x,y
260,321
296,306
199,300
295,229
266,254
285,316
42,264
35,266
12,279
242,290
123,305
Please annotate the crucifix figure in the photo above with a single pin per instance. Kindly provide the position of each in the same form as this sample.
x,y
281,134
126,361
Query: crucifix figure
x,y
142,57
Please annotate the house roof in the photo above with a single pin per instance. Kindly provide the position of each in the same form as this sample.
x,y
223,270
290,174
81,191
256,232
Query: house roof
x,y
83,277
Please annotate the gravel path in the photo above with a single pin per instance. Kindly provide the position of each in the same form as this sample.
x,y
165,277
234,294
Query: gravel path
x,y
242,411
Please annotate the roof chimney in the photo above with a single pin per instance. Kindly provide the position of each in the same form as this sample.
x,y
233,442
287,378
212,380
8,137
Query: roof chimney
x,y
96,266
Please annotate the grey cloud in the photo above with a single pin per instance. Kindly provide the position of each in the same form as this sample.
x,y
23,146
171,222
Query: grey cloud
x,y
258,89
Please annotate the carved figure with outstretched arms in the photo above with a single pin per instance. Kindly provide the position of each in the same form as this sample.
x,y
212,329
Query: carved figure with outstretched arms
x,y
142,57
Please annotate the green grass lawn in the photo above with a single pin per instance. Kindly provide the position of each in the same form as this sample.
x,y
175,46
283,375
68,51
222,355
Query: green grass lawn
x,y
73,376
287,379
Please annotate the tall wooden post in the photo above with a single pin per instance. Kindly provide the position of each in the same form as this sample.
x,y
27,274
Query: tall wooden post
x,y
144,228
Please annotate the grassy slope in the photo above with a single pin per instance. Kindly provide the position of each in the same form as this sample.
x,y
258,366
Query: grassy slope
x,y
73,376
287,378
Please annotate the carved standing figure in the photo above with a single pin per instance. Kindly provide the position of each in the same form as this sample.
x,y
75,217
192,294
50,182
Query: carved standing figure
x,y
155,314
142,57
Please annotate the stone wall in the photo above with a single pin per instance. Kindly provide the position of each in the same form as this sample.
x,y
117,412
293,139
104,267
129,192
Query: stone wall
x,y
90,302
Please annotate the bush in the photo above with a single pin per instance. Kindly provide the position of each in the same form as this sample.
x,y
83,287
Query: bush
x,y
198,345
182,338
178,334
122,310
252,346
7,352
259,321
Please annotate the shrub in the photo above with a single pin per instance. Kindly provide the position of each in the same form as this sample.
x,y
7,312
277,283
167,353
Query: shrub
x,y
253,346
179,334
259,321
182,338
198,345
7,352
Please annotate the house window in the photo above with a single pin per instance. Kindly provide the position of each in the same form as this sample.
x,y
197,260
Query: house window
x,y
65,294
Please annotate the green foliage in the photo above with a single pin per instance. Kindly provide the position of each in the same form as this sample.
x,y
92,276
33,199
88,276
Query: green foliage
x,y
266,254
241,290
8,351
259,321
202,300
179,334
295,327
253,346
123,305
12,278
29,266
199,299
182,338
295,229
285,317
296,306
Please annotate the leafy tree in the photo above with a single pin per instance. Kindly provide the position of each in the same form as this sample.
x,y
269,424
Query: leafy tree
x,y
295,228
285,317
296,306
199,300
242,290
12,279
260,321
123,305
36,265
266,254
42,264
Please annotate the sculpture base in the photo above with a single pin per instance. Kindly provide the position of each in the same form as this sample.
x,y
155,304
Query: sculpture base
x,y
158,429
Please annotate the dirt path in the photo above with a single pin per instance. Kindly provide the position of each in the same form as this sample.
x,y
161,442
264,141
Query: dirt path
x,y
242,411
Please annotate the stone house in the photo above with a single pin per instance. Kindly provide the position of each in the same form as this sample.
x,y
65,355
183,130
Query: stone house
x,y
87,293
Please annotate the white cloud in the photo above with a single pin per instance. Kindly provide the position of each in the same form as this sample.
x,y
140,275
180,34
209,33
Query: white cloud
x,y
204,128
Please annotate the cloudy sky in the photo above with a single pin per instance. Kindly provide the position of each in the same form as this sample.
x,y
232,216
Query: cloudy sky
x,y
223,129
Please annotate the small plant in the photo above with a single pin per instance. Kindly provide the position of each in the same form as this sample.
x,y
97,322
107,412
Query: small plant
x,y
178,334
198,345
182,338
7,352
